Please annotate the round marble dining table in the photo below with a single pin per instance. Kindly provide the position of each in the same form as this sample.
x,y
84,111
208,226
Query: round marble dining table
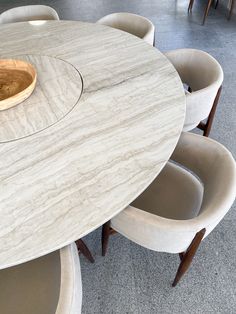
x,y
102,122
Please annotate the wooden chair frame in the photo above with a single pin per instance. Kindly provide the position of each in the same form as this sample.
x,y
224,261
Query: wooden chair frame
x,y
209,3
231,8
206,127
82,248
185,257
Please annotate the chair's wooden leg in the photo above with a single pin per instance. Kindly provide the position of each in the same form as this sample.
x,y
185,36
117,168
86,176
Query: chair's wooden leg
x,y
112,231
206,127
82,247
216,5
188,256
181,256
154,40
106,231
231,9
201,126
212,114
190,6
206,11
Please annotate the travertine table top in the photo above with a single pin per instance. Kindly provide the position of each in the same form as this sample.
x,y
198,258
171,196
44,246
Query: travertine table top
x,y
60,183
58,89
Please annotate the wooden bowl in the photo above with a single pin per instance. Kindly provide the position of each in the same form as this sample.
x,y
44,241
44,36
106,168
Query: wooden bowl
x,y
17,82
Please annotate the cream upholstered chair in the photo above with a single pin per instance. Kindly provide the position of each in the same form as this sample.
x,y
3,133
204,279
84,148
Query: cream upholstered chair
x,y
131,23
48,285
183,204
28,13
204,76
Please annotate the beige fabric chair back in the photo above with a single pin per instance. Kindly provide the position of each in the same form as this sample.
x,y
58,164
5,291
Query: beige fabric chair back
x,y
28,13
131,23
215,167
204,75
70,298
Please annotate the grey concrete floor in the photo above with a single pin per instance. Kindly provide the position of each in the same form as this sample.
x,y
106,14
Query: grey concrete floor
x,y
132,279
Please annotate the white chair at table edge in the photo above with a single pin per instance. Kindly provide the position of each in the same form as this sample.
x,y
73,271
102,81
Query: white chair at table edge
x,y
48,285
134,24
178,210
28,13
204,76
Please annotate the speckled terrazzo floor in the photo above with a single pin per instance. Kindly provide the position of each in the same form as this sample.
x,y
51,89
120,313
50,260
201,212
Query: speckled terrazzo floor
x,y
131,279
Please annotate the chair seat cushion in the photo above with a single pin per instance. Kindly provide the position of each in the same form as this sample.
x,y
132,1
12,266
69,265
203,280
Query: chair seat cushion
x,y
175,194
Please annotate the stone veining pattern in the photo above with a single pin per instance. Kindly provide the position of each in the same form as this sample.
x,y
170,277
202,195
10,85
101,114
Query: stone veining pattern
x,y
57,91
63,182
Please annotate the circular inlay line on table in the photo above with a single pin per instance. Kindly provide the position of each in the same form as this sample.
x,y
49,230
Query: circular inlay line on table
x,y
58,89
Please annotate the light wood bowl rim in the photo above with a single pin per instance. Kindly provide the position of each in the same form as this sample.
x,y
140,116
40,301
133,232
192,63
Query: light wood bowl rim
x,y
28,90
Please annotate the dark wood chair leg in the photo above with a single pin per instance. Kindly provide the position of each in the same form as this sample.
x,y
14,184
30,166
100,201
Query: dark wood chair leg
x,y
82,247
181,256
212,114
190,6
206,127
216,5
106,231
189,89
206,11
188,256
154,40
231,9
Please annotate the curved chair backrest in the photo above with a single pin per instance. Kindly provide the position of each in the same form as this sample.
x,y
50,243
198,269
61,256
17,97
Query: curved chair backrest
x,y
49,284
204,75
131,23
216,168
70,298
28,13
